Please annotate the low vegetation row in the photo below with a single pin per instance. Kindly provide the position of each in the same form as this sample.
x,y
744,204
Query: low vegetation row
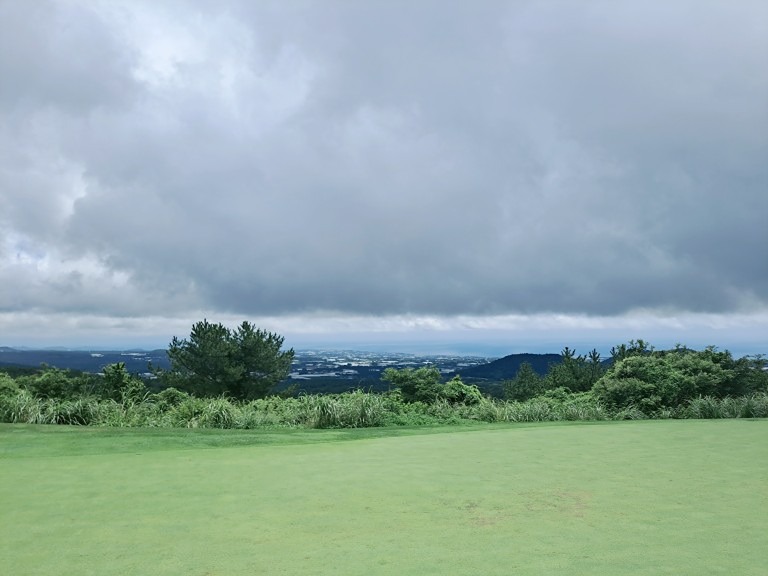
x,y
222,378
174,409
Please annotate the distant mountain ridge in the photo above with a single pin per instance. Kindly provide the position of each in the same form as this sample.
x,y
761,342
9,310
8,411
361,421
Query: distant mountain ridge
x,y
83,360
506,368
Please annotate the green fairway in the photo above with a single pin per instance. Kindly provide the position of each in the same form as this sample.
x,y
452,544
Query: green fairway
x,y
650,497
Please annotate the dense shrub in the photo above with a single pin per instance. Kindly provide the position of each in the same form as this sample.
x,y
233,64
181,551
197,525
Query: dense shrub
x,y
456,392
655,381
56,383
8,386
118,384
526,384
168,397
426,385
576,373
415,384
618,393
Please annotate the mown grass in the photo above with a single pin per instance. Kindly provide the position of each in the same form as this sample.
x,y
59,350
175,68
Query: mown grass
x,y
613,498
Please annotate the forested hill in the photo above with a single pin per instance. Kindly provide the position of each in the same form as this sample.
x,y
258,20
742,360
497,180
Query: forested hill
x,y
506,368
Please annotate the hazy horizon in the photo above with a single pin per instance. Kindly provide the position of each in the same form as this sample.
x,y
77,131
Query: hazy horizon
x,y
477,345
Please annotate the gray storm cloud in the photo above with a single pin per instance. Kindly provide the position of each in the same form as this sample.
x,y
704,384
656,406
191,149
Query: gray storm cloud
x,y
383,157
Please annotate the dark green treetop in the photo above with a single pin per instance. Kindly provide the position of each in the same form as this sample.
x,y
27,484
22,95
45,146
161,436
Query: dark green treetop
x,y
244,363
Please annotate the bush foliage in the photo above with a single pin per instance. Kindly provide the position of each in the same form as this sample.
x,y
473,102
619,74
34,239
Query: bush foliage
x,y
640,383
653,381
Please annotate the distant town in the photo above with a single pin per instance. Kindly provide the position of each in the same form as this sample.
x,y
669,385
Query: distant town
x,y
352,364
312,370
307,364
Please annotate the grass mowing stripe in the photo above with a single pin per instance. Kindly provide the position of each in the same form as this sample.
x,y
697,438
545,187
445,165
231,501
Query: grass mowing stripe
x,y
34,440
664,497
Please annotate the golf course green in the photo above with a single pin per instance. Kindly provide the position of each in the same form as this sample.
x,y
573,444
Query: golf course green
x,y
615,498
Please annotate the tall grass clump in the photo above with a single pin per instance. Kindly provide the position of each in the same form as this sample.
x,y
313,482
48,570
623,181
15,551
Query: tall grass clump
x,y
219,413
630,413
22,407
349,410
754,406
187,413
445,412
707,407
262,413
80,412
558,404
400,413
487,410
591,410
534,410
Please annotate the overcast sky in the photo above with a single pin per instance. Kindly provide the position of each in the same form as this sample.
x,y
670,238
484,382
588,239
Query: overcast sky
x,y
520,174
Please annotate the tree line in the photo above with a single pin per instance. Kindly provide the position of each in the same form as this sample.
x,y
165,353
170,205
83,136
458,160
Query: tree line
x,y
227,377
640,376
